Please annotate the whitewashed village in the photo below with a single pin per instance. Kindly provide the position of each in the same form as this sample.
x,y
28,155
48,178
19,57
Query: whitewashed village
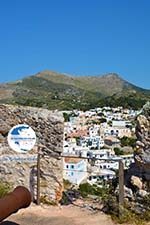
x,y
79,157
93,144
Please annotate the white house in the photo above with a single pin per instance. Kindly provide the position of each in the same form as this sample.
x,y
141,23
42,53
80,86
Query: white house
x,y
94,130
102,175
108,165
101,154
90,113
81,151
92,142
110,116
127,160
121,123
75,170
117,131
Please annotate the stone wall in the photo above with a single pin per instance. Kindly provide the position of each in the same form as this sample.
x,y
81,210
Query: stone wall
x,y
21,169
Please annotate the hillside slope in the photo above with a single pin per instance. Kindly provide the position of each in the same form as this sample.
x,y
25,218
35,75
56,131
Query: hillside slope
x,y
53,90
107,84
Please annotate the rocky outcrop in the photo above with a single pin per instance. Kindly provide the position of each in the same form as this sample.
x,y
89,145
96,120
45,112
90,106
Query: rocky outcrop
x,y
142,153
141,168
136,182
137,178
21,169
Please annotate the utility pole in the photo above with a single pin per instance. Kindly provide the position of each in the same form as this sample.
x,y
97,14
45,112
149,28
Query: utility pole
x,y
121,187
38,177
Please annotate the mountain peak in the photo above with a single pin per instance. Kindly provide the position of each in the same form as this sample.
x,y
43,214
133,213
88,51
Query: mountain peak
x,y
58,90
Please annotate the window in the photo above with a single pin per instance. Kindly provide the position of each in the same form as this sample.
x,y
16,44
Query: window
x,y
112,132
67,166
72,166
72,173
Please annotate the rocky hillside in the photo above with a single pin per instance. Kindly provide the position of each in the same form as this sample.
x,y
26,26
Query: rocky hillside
x,y
137,177
60,91
107,84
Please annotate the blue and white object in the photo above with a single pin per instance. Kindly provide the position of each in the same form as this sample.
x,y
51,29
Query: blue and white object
x,y
21,138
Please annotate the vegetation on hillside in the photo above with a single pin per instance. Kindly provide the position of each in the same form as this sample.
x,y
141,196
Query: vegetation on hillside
x,y
65,92
108,199
128,141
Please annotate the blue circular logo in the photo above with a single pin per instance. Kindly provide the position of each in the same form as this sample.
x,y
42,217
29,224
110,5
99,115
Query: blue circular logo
x,y
21,138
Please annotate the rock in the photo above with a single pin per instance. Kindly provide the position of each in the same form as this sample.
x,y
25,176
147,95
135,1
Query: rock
x,y
136,182
4,128
128,194
141,193
21,169
142,153
137,177
138,208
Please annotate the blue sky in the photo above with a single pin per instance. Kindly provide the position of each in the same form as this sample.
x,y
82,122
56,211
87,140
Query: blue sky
x,y
79,37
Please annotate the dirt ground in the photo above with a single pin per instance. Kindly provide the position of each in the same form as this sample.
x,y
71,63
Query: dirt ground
x,y
60,215
55,215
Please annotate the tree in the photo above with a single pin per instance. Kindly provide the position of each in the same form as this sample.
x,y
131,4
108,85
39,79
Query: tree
x,y
66,117
118,151
128,141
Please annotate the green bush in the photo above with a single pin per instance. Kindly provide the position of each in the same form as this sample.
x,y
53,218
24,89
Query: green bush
x,y
146,200
67,184
146,215
65,200
130,217
128,141
86,189
118,151
46,201
5,188
129,214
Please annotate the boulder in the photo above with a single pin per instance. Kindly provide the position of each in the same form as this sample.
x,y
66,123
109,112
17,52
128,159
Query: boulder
x,y
141,193
128,194
136,182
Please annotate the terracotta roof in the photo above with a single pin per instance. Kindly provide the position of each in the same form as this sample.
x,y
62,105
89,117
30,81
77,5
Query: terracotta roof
x,y
72,160
110,138
78,133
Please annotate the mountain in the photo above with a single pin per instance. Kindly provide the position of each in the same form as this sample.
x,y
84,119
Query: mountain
x,y
54,90
108,84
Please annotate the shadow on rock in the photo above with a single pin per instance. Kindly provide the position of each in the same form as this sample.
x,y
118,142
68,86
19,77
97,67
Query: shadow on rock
x,y
8,223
